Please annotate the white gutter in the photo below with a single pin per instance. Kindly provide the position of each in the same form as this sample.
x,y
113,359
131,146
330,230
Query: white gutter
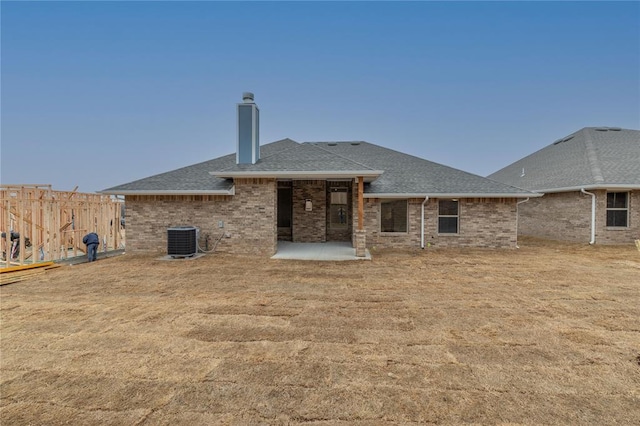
x,y
593,215
517,216
608,186
422,222
452,195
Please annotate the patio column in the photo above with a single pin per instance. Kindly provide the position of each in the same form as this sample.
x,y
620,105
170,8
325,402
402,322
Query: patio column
x,y
361,239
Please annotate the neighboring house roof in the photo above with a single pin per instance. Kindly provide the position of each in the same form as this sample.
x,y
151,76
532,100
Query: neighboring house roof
x,y
591,158
388,173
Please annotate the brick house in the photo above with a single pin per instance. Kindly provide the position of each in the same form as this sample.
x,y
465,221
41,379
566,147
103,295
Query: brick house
x,y
591,185
315,192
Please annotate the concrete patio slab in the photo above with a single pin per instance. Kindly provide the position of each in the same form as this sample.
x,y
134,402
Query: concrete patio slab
x,y
336,251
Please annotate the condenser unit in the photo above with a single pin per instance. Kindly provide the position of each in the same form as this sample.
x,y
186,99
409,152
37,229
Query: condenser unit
x,y
182,241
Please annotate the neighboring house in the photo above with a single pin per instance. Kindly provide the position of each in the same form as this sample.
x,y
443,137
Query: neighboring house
x,y
591,182
317,192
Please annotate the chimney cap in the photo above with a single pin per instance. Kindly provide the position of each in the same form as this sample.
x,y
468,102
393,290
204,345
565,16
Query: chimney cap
x,y
247,97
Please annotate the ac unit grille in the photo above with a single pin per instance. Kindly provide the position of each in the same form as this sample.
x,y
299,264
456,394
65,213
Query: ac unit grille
x,y
181,241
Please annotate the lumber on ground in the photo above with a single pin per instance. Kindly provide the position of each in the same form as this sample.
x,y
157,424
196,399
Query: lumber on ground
x,y
24,272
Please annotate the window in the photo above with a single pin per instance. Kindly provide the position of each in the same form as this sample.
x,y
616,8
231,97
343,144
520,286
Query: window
x,y
617,209
339,211
448,217
393,216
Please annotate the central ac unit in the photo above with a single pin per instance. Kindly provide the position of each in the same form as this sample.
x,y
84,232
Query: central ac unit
x,y
182,241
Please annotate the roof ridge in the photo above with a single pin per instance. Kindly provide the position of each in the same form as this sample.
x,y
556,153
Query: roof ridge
x,y
592,157
298,144
338,155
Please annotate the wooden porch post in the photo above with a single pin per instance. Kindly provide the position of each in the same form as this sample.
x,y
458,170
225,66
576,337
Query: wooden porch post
x,y
360,237
360,203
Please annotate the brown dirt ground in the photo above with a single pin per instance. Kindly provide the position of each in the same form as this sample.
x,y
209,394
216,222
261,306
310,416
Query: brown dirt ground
x,y
547,334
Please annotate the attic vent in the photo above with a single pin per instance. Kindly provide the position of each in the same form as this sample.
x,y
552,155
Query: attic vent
x,y
355,143
615,129
332,144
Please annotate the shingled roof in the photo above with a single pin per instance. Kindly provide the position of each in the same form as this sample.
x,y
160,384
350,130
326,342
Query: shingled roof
x,y
591,158
388,173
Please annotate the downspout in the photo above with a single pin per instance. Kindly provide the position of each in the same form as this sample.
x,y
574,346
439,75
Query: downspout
x,y
422,222
593,215
518,216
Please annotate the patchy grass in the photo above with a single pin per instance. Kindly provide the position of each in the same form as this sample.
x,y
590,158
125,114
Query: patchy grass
x,y
547,334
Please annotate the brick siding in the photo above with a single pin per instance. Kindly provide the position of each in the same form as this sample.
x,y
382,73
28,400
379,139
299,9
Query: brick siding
x,y
482,223
566,216
309,226
249,218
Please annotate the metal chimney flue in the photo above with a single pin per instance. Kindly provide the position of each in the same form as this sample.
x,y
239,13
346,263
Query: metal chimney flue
x,y
248,146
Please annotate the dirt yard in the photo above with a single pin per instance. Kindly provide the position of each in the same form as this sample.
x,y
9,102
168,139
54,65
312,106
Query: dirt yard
x,y
547,334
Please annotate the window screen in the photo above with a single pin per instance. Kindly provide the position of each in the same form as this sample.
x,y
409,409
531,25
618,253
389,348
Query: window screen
x,y
393,216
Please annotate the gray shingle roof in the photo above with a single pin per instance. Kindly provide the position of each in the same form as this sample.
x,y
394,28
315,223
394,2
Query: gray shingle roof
x,y
593,157
406,174
194,178
300,158
392,173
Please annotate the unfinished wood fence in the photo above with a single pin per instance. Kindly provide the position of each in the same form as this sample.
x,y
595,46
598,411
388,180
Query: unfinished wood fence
x,y
55,222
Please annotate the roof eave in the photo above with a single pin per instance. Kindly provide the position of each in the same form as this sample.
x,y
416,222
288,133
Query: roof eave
x,y
608,186
368,175
451,195
230,191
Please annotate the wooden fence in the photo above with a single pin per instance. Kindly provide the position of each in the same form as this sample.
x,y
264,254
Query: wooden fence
x,y
55,222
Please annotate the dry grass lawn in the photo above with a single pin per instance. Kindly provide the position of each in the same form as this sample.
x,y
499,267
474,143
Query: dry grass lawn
x,y
547,334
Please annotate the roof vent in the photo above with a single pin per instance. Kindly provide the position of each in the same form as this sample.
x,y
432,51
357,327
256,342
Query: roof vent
x,y
615,129
568,138
332,144
355,143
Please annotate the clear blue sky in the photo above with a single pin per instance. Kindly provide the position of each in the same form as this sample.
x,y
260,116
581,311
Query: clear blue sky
x,y
97,94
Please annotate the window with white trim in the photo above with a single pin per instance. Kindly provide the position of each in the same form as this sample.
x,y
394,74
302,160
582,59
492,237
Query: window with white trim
x,y
393,216
448,215
618,209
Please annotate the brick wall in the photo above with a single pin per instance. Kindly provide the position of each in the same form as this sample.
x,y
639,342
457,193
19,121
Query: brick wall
x,y
248,217
566,216
627,235
482,223
309,226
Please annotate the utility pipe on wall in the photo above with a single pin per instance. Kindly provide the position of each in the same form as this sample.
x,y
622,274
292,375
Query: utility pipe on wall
x,y
422,222
518,216
593,215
